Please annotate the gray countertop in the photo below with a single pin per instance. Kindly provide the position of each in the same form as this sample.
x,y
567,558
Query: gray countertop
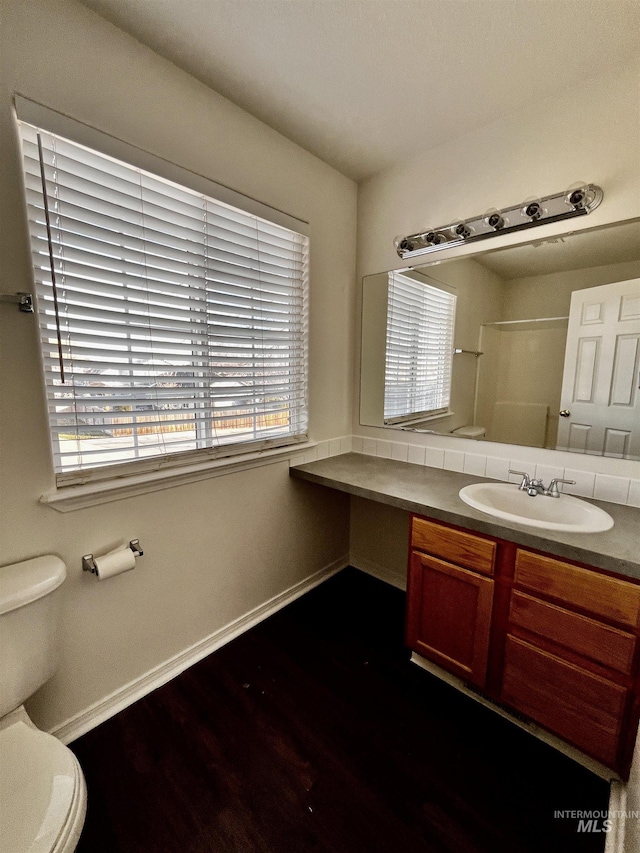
x,y
433,492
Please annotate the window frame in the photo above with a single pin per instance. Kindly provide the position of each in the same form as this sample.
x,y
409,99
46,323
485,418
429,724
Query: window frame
x,y
194,460
445,358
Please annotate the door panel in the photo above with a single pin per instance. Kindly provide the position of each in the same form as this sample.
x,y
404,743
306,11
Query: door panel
x,y
600,379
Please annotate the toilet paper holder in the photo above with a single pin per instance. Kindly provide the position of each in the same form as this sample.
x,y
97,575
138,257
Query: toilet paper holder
x,y
89,561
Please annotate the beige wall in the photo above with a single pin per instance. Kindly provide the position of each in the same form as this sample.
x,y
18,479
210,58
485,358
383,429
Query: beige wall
x,y
588,133
522,365
217,548
550,295
379,540
534,151
531,152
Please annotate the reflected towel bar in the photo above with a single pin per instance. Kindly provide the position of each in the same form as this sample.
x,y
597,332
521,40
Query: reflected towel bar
x,y
468,351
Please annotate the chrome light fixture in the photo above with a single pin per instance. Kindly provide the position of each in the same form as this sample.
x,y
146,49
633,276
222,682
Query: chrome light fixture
x,y
578,200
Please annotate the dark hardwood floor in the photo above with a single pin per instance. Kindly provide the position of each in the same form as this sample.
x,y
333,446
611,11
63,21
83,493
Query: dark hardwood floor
x,y
313,732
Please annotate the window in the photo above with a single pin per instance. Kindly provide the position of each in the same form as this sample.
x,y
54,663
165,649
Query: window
x,y
170,322
419,349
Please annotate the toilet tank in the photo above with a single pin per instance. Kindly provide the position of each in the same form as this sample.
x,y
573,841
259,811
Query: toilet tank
x,y
29,627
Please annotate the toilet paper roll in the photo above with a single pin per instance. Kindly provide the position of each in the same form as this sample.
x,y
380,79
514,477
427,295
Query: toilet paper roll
x,y
114,563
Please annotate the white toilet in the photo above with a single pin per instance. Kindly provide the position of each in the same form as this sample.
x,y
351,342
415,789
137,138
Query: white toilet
x,y
470,431
43,795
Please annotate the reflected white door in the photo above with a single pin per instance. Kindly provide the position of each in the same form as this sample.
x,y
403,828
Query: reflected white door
x,y
601,366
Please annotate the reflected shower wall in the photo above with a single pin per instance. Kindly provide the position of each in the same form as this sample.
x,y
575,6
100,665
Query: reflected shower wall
x,y
519,378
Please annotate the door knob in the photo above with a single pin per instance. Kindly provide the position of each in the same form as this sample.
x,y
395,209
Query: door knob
x,y
565,413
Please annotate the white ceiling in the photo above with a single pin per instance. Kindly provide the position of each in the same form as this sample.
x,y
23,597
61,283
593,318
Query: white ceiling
x,y
366,83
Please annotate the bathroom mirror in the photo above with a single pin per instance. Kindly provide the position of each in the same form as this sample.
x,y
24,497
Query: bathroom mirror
x,y
545,344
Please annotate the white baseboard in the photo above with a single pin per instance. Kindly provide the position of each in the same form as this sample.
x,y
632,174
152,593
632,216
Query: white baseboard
x,y
102,710
615,839
378,571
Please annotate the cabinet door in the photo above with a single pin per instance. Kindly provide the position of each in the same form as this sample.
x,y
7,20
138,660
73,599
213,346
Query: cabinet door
x,y
449,616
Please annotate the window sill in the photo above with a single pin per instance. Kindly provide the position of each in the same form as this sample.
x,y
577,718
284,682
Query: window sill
x,y
70,498
411,422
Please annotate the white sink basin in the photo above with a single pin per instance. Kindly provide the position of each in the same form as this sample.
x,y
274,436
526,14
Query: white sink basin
x,y
566,513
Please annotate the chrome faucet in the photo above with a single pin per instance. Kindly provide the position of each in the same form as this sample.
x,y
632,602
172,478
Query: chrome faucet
x,y
536,487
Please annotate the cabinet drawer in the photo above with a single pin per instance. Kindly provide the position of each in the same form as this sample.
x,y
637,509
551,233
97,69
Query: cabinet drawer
x,y
610,598
607,646
465,549
582,708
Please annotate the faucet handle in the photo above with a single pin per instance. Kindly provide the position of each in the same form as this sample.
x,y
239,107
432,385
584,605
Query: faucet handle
x,y
524,485
553,491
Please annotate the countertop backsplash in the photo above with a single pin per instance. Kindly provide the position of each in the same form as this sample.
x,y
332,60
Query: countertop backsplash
x,y
589,484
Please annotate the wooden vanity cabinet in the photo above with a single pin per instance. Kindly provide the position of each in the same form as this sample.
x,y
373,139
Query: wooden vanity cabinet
x,y
553,641
570,651
450,605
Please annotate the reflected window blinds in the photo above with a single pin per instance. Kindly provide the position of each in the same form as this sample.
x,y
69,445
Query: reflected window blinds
x,y
170,322
419,349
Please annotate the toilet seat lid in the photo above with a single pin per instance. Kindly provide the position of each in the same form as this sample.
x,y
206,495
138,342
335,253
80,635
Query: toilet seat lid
x,y
470,431
37,788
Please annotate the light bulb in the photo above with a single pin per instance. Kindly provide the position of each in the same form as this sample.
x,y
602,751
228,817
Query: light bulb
x,y
494,218
532,208
578,196
404,244
459,229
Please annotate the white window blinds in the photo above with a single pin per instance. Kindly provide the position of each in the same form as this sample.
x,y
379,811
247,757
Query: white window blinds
x,y
419,349
170,322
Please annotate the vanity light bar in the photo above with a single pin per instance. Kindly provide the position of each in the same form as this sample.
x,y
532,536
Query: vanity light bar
x,y
578,200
